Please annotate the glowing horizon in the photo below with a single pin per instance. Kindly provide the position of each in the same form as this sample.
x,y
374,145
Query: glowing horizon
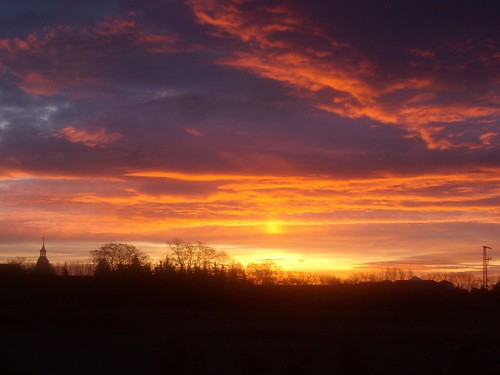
x,y
277,130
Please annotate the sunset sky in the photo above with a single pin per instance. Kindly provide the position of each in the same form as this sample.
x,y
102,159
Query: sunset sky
x,y
325,135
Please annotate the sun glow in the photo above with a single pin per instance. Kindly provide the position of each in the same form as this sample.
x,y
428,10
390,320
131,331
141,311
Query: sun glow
x,y
273,227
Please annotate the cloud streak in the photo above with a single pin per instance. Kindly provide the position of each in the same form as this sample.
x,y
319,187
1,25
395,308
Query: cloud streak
x,y
280,44
75,58
240,209
89,138
197,200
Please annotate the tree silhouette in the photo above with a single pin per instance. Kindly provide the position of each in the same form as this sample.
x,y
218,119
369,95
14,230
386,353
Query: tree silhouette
x,y
102,268
263,273
24,264
196,256
119,257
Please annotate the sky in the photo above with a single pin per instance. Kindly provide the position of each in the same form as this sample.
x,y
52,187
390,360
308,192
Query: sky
x,y
334,136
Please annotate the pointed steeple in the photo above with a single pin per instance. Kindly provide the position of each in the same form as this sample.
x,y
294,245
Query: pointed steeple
x,y
42,264
43,252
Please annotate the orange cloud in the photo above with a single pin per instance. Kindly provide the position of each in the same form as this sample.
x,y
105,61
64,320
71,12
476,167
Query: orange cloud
x,y
98,138
488,138
295,200
339,79
318,218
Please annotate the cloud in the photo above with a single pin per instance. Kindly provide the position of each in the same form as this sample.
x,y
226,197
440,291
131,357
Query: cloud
x,y
37,84
488,138
280,44
193,132
297,200
98,138
356,222
77,57
188,109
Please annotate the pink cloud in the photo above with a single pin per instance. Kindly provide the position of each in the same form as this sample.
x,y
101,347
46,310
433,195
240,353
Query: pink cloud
x,y
98,138
422,53
488,138
63,57
38,84
137,35
193,132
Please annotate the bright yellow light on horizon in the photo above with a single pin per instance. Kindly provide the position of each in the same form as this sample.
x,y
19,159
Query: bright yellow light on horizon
x,y
273,227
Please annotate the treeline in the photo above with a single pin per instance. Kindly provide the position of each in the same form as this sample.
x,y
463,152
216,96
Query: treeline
x,y
198,260
183,260
461,280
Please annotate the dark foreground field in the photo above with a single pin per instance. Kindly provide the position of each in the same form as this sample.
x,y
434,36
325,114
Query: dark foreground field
x,y
86,326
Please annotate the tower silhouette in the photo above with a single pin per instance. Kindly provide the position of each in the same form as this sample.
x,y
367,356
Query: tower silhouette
x,y
486,260
43,264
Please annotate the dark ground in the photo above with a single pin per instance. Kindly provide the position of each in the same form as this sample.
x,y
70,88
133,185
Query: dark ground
x,y
87,326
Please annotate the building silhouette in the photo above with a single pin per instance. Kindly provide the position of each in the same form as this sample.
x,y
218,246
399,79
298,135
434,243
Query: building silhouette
x,y
42,264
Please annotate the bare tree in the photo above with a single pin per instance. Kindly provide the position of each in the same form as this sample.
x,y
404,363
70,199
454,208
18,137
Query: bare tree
x,y
263,273
394,274
74,268
24,263
325,279
235,271
196,256
79,268
118,256
376,276
181,254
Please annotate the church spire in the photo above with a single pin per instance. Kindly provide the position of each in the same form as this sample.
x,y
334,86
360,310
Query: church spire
x,y
43,252
42,264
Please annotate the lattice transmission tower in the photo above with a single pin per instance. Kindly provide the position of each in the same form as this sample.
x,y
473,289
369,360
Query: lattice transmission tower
x,y
486,260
